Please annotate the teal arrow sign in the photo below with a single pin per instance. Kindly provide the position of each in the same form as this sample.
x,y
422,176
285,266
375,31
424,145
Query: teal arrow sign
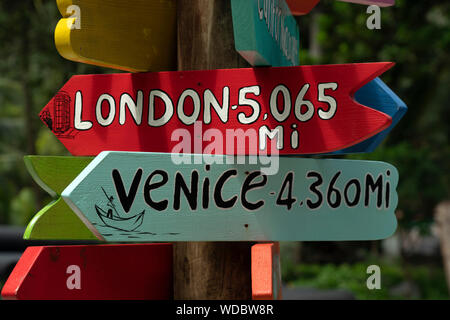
x,y
265,33
140,197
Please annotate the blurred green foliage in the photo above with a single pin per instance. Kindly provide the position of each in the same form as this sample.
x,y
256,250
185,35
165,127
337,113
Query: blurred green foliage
x,y
428,281
31,72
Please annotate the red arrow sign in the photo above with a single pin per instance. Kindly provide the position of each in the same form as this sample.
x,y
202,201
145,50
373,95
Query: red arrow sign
x,y
266,271
301,7
100,272
297,110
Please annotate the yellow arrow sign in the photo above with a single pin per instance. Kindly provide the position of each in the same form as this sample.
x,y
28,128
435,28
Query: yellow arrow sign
x,y
132,35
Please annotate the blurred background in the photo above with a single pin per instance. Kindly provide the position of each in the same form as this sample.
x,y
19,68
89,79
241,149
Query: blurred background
x,y
414,34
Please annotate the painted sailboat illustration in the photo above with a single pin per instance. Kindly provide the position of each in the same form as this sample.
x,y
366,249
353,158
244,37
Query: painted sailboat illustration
x,y
112,219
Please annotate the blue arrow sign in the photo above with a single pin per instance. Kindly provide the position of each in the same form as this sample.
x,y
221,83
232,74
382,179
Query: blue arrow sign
x,y
377,95
125,196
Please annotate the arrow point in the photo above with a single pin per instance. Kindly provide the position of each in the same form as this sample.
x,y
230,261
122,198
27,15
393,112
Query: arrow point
x,y
17,280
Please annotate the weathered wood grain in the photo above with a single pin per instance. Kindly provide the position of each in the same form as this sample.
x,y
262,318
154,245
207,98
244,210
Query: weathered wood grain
x,y
209,270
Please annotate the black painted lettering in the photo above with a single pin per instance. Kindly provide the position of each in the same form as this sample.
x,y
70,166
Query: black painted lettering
x,y
248,185
355,201
205,194
126,199
314,189
333,190
388,191
220,203
289,200
191,195
374,186
149,186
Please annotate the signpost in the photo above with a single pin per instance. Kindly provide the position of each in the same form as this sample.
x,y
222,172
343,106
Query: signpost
x,y
133,35
193,155
266,271
123,196
212,270
265,33
56,221
92,272
301,110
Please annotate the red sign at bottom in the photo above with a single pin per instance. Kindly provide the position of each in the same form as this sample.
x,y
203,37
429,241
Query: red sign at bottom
x,y
266,272
94,272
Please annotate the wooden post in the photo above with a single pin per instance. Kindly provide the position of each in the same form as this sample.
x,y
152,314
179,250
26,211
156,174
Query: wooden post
x,y
209,270
442,216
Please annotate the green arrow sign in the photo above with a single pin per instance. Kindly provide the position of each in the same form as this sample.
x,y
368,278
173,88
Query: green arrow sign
x,y
56,220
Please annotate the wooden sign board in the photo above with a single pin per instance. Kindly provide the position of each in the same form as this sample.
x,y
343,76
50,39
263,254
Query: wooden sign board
x,y
301,7
92,272
124,196
56,221
266,271
285,110
265,32
132,35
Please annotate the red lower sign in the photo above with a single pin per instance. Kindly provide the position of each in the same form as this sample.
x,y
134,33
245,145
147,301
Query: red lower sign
x,y
301,7
101,272
285,110
266,271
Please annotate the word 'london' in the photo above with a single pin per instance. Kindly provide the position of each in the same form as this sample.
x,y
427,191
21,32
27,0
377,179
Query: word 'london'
x,y
303,109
